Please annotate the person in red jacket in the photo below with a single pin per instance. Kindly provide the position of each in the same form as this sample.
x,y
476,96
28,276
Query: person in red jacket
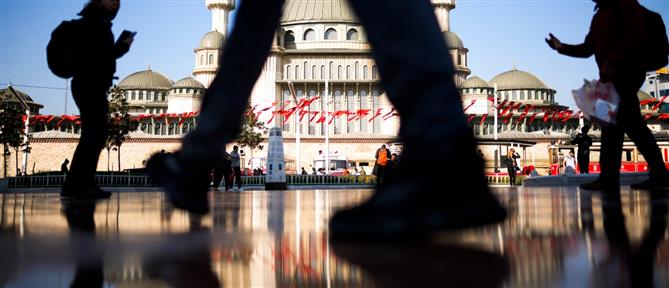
x,y
615,37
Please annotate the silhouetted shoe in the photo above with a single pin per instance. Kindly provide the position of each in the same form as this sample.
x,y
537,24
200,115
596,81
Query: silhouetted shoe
x,y
410,209
599,185
652,184
186,189
85,194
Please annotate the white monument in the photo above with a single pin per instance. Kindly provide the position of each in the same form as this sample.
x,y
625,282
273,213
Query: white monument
x,y
276,165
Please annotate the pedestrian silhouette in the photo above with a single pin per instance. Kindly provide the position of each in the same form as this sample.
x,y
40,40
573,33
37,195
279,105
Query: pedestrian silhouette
x,y
63,167
94,68
615,38
583,156
417,71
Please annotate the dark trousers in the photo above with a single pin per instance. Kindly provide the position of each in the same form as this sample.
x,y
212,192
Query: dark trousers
x,y
224,176
91,98
413,61
238,177
583,162
630,121
512,175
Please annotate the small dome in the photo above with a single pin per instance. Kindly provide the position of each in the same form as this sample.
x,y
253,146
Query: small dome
x,y
642,95
516,79
474,82
188,82
309,11
453,41
212,40
146,80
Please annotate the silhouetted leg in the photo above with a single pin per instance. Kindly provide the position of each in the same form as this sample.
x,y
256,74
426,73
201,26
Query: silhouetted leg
x,y
218,176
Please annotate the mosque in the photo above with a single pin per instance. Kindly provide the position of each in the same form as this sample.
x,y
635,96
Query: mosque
x,y
321,52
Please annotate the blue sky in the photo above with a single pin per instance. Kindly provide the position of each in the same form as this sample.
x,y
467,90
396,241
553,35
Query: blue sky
x,y
499,34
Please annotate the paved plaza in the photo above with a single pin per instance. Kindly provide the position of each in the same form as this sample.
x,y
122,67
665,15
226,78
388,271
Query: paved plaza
x,y
554,237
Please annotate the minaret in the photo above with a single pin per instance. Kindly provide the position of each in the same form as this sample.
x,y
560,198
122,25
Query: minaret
x,y
208,53
443,8
220,12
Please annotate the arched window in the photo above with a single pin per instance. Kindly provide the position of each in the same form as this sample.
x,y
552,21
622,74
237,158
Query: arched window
x,y
201,59
337,107
313,72
376,104
331,70
305,70
289,40
297,72
375,72
339,72
350,107
211,59
348,71
364,72
309,35
288,72
363,105
331,34
322,71
285,101
352,34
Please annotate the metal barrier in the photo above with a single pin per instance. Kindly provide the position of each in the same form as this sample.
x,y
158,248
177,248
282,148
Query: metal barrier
x,y
128,180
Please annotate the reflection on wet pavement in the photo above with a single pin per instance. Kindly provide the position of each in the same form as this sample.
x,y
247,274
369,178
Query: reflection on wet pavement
x,y
557,237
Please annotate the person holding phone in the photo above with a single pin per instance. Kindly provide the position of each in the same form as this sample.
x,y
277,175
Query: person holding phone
x,y
95,65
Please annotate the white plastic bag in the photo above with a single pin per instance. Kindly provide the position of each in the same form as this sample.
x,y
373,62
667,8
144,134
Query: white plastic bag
x,y
598,101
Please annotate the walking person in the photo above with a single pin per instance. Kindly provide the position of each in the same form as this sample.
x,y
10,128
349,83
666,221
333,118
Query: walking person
x,y
236,167
93,73
583,156
512,165
222,172
615,37
417,72
382,157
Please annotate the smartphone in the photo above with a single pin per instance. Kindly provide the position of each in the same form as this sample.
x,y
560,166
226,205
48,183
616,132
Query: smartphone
x,y
125,34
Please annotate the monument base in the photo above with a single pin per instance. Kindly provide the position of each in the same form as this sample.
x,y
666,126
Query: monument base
x,y
276,186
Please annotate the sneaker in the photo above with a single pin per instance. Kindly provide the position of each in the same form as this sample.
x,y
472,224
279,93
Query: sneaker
x,y
87,194
651,184
185,188
410,209
598,185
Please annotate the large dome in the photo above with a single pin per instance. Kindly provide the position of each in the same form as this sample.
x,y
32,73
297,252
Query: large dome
x,y
474,82
309,11
146,80
516,79
453,41
188,82
212,40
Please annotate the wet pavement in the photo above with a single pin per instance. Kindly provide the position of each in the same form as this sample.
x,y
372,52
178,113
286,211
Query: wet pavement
x,y
554,237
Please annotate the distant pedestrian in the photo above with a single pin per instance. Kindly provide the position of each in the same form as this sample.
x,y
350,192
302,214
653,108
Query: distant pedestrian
x,y
583,156
512,165
223,171
382,157
304,172
63,167
236,166
313,171
94,70
569,163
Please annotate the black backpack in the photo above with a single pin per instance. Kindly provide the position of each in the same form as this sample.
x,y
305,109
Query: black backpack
x,y
61,50
656,42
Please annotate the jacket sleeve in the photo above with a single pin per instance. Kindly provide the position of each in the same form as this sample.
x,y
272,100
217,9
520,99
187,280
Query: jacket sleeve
x,y
583,50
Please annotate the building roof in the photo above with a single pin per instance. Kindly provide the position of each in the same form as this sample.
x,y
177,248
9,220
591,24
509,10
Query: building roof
x,y
453,41
516,79
6,95
188,82
146,79
474,82
310,11
212,40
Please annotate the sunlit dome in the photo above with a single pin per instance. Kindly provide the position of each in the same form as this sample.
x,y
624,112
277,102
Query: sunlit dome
x,y
453,41
474,82
146,79
188,82
212,40
516,79
310,11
